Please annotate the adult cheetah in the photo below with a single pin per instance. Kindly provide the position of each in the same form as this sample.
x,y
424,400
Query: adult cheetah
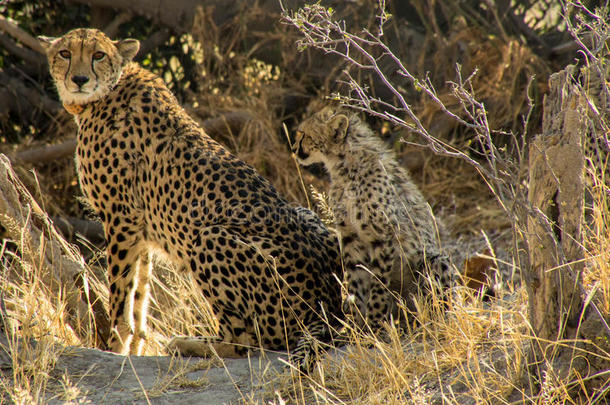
x,y
160,184
387,228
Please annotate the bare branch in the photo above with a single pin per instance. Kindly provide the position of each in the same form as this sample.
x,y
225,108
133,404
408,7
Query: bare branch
x,y
178,15
112,29
12,29
31,95
47,153
156,39
320,31
23,53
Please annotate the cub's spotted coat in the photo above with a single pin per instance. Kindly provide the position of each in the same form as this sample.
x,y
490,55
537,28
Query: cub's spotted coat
x,y
387,228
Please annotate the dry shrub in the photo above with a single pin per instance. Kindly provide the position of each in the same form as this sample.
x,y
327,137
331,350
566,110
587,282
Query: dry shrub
x,y
42,309
499,72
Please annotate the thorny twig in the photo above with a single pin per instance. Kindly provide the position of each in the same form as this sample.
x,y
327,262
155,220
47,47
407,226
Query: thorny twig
x,y
502,173
364,51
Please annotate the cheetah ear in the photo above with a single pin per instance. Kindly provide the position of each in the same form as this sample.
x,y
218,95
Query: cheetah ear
x,y
339,124
128,48
46,42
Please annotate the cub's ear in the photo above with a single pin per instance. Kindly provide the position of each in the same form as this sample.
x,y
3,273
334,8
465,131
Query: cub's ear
x,y
46,42
339,124
128,48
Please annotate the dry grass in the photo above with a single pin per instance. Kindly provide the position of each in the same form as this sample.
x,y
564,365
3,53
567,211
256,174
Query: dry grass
x,y
473,353
36,332
176,377
476,353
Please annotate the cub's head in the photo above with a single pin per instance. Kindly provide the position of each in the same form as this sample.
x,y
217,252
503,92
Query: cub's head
x,y
322,137
85,64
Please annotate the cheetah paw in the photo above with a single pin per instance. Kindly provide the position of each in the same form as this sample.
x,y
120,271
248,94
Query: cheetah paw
x,y
186,346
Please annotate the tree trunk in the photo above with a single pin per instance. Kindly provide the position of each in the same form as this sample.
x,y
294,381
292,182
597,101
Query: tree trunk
x,y
557,310
556,194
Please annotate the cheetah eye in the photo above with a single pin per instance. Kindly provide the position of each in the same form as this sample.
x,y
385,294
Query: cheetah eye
x,y
64,54
98,55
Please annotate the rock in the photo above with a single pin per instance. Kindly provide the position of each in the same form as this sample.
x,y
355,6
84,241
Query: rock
x,y
99,377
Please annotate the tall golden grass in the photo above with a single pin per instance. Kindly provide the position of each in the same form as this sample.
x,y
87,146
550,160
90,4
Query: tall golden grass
x,y
472,352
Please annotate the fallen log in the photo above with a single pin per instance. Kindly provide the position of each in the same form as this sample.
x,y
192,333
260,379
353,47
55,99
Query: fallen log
x,y
60,267
47,153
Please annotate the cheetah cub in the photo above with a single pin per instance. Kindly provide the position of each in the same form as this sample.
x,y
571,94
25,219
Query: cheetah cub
x,y
159,183
387,228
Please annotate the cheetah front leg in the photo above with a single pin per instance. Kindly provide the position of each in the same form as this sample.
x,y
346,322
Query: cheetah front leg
x,y
380,297
368,278
125,252
141,299
309,349
358,280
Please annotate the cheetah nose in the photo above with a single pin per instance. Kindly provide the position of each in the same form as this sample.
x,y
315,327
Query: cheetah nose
x,y
80,80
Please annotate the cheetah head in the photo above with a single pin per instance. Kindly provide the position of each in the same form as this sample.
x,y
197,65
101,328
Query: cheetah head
x,y
85,64
320,138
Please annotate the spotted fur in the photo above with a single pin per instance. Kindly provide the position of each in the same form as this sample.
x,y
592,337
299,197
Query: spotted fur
x,y
160,184
388,231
